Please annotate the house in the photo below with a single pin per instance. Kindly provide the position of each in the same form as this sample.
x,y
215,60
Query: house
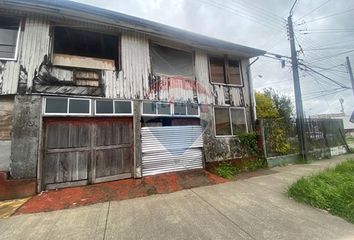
x,y
90,95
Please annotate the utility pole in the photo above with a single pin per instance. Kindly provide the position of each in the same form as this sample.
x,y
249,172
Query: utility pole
x,y
300,124
350,73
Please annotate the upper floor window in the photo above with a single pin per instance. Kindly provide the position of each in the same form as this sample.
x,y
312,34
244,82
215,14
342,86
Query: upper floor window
x,y
84,49
171,62
225,71
9,37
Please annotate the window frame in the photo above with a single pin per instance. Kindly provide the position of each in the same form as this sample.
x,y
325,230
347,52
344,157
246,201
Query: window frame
x,y
67,107
230,121
17,43
226,71
113,108
172,110
187,50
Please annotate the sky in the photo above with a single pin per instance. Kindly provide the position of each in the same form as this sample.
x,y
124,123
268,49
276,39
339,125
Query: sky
x,y
324,31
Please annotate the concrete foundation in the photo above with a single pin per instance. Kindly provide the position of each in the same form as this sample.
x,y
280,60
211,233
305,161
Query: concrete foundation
x,y
5,150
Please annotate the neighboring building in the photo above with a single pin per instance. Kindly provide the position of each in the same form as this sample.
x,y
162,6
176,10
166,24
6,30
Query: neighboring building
x,y
90,95
347,124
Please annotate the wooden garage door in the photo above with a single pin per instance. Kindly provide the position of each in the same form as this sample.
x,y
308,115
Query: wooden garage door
x,y
79,151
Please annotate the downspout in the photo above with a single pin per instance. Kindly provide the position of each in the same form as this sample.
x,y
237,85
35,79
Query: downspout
x,y
251,94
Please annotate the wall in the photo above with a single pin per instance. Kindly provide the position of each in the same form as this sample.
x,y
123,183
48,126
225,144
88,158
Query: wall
x,y
25,136
6,115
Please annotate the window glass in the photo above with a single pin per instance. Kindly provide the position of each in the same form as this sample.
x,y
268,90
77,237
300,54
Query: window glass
x,y
79,106
217,71
122,107
9,28
149,108
104,106
222,121
180,109
192,109
84,43
171,62
238,121
234,73
56,105
164,108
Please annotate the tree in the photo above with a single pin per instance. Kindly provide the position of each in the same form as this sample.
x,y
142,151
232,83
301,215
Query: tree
x,y
278,109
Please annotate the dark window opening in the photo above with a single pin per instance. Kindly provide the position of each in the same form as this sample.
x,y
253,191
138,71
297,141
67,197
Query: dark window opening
x,y
86,44
217,70
229,121
9,28
180,109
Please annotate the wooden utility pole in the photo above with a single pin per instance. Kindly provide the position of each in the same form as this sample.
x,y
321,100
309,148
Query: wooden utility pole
x,y
300,123
350,73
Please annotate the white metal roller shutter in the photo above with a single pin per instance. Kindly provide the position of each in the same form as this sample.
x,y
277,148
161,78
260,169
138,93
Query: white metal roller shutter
x,y
169,149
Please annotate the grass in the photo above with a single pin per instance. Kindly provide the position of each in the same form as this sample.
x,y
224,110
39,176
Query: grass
x,y
227,170
331,190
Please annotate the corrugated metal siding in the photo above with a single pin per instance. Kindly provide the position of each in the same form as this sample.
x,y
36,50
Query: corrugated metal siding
x,y
167,149
9,73
133,81
35,46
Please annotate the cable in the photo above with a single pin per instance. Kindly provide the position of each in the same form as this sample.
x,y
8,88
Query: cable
x,y
328,16
305,15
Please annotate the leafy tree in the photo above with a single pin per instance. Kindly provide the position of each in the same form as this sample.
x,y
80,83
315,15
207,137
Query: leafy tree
x,y
279,110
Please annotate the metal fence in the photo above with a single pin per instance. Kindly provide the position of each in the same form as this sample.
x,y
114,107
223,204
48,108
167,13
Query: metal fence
x,y
321,135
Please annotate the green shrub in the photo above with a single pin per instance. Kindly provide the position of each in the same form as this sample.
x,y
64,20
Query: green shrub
x,y
226,170
249,142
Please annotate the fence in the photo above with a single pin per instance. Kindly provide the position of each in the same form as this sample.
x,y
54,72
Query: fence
x,y
320,136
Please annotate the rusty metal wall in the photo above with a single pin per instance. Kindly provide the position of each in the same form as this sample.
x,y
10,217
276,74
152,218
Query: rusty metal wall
x,y
168,149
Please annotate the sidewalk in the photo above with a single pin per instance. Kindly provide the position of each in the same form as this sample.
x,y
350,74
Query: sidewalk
x,y
253,208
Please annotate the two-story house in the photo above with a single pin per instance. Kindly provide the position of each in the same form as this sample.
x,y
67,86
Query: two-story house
x,y
89,95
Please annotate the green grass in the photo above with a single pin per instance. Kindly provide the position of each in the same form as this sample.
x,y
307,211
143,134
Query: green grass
x,y
227,170
331,190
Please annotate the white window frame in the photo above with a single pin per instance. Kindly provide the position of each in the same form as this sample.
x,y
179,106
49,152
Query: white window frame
x,y
17,44
172,110
67,107
230,120
113,110
227,84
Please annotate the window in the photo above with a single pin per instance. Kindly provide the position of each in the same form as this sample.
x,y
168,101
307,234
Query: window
x,y
180,109
171,62
113,107
167,109
224,71
229,121
84,49
67,106
9,37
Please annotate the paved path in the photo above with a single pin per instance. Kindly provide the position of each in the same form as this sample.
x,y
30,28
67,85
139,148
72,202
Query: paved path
x,y
255,208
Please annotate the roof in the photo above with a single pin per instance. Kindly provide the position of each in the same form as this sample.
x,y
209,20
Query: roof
x,y
74,10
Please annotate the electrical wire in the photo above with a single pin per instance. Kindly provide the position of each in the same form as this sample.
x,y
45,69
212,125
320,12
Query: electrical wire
x,y
313,10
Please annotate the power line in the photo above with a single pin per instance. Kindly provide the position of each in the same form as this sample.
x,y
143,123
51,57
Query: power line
x,y
328,16
305,15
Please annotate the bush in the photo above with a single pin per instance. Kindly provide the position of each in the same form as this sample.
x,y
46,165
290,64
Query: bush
x,y
226,170
249,142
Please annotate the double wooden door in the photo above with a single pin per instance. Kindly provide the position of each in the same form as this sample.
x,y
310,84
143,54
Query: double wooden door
x,y
79,151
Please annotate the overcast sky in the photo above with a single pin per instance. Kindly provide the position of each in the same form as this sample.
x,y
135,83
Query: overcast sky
x,y
323,28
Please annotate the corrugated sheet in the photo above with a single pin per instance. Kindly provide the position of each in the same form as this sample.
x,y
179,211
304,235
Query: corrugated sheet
x,y
167,149
132,82
35,46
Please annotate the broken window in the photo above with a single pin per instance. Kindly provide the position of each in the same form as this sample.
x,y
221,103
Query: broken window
x,y
9,37
229,121
171,62
224,71
84,49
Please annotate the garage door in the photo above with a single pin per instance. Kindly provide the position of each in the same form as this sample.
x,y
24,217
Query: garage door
x,y
78,151
168,149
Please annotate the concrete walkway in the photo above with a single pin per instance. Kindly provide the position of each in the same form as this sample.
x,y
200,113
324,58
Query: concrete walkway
x,y
255,208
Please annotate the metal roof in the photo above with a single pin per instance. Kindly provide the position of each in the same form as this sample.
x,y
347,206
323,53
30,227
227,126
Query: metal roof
x,y
83,12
